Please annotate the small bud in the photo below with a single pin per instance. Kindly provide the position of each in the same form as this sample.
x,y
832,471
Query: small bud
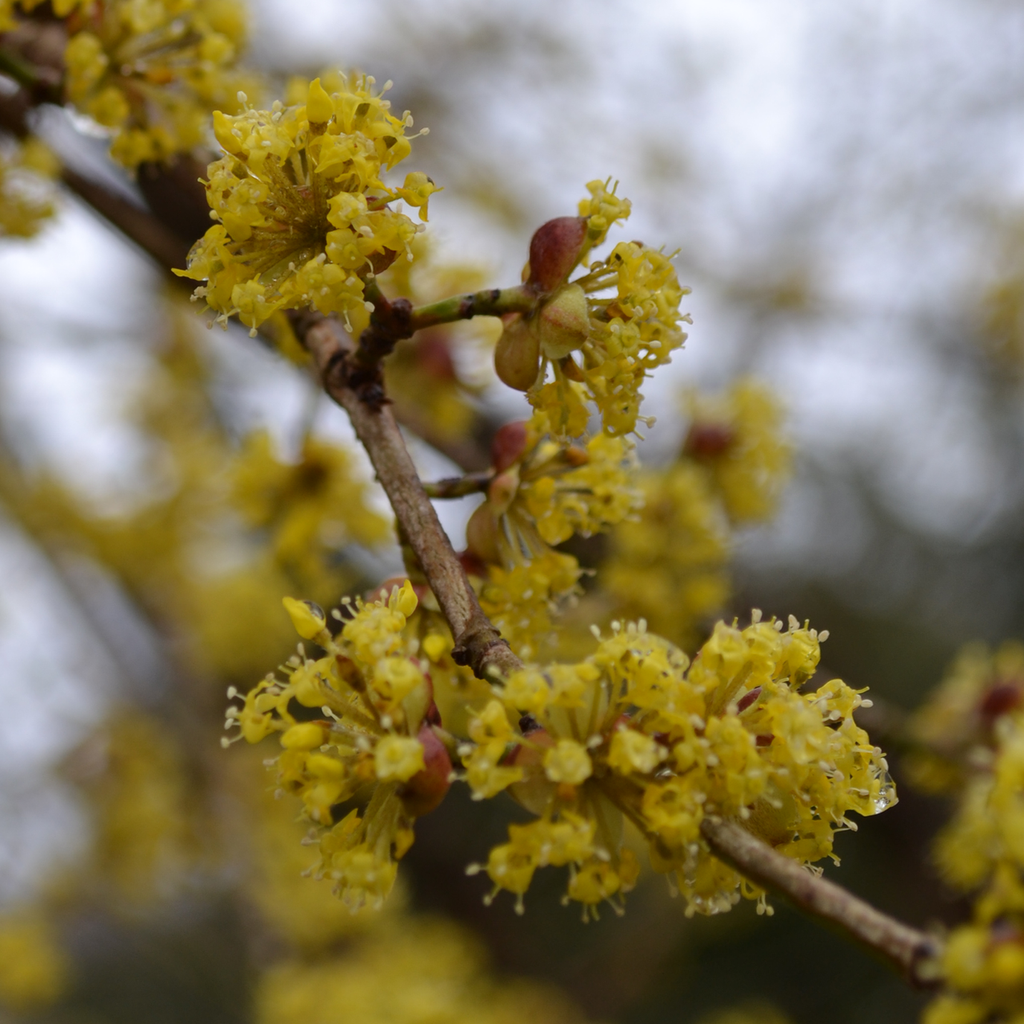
x,y
428,787
708,440
517,355
555,250
305,736
319,108
501,491
307,618
563,322
482,532
508,445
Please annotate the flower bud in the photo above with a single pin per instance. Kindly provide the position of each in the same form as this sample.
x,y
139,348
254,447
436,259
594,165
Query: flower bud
x,y
307,618
305,736
563,322
501,492
517,355
708,440
428,787
508,445
482,532
555,250
319,108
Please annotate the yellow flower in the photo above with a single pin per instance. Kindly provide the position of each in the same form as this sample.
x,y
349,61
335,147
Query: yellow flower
x,y
376,740
303,215
737,439
668,566
26,189
621,316
33,968
152,72
543,492
636,731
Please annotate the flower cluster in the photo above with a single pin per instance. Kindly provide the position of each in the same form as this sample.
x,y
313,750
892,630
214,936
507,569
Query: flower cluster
x,y
636,733
303,215
417,971
26,189
132,775
968,740
983,961
152,72
315,504
952,734
736,437
33,968
542,493
375,745
621,316
668,564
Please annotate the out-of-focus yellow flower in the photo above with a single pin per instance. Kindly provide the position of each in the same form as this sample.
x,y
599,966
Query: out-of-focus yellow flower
x,y
303,215
737,438
412,971
954,729
27,171
637,732
668,566
376,743
34,969
749,1013
314,506
152,72
132,775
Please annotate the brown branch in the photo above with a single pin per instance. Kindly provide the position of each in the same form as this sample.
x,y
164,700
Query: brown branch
x,y
478,643
911,952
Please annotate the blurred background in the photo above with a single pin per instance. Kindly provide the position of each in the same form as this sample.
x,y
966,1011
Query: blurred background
x,y
845,186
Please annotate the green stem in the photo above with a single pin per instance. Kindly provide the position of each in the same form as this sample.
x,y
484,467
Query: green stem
x,y
492,302
459,486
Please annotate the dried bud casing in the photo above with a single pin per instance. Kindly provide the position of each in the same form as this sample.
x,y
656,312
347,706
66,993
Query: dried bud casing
x,y
517,355
555,250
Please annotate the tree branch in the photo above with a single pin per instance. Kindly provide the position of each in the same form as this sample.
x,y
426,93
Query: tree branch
x,y
911,952
477,643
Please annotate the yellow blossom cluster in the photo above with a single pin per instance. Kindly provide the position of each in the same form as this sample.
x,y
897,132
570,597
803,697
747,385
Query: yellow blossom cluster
x,y
132,775
27,170
953,731
314,505
983,961
34,970
737,438
417,971
303,217
968,741
621,316
543,492
637,733
153,72
375,745
668,564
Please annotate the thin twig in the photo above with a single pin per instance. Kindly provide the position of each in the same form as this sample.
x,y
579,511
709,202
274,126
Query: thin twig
x,y
478,643
459,486
913,953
